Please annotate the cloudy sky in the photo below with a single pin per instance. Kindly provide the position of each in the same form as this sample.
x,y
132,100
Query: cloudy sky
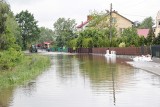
x,y
46,12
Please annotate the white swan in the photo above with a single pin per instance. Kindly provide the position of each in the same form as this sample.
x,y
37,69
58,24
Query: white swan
x,y
112,54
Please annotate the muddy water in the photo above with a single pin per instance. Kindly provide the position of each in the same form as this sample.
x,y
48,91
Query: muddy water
x,y
86,81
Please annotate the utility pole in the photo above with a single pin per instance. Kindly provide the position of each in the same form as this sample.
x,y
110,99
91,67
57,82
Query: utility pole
x,y
110,23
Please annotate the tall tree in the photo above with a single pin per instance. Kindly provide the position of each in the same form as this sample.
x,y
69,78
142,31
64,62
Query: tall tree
x,y
28,26
99,20
64,30
46,35
13,29
4,10
151,37
8,27
147,23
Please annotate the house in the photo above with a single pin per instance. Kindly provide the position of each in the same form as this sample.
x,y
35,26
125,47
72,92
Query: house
x,y
84,24
120,22
157,27
143,32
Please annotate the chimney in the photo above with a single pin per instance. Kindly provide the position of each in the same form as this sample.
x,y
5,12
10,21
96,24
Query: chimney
x,y
89,17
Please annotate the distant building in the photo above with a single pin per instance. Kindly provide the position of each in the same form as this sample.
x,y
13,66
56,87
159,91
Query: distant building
x,y
157,27
84,24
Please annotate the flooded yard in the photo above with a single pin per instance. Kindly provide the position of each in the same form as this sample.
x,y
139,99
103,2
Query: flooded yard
x,y
86,81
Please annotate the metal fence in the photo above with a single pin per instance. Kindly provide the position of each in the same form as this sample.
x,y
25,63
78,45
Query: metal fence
x,y
155,51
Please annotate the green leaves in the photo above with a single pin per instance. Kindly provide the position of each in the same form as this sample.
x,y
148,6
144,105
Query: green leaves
x,y
64,30
150,38
28,26
46,35
156,41
147,23
4,10
130,37
9,33
8,59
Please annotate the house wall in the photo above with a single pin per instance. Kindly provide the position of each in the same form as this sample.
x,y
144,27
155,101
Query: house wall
x,y
157,30
120,22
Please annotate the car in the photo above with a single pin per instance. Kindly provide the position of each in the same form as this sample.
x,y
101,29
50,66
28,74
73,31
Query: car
x,y
33,49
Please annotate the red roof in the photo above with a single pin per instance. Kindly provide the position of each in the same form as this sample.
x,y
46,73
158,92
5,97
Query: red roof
x,y
143,32
82,24
46,43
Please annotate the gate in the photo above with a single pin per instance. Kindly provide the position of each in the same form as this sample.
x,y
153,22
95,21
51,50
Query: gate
x,y
156,51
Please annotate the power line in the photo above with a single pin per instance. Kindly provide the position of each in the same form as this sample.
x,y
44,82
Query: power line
x,y
133,15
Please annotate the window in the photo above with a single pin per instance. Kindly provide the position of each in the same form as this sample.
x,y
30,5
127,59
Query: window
x,y
114,20
121,30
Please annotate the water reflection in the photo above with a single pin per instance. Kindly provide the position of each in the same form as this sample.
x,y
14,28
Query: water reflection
x,y
29,88
87,81
102,74
111,59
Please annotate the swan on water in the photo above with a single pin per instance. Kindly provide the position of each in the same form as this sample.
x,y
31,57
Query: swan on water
x,y
112,54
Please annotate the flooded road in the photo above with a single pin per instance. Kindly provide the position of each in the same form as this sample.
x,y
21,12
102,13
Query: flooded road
x,y
86,81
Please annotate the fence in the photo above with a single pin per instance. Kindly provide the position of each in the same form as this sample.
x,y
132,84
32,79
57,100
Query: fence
x,y
119,51
156,51
59,49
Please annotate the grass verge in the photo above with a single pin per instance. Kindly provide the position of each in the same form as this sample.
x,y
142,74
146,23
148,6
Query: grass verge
x,y
30,67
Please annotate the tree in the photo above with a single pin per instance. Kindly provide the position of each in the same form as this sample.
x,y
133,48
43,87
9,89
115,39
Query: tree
x,y
64,30
156,41
150,37
98,29
142,41
147,23
130,37
100,20
46,35
13,29
10,52
4,10
8,28
28,26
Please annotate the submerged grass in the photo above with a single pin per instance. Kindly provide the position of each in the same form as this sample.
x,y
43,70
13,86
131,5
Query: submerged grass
x,y
28,69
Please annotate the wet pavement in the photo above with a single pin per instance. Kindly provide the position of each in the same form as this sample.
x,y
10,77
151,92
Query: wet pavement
x,y
152,66
147,66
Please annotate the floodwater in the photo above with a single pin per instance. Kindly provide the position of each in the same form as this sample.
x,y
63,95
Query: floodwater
x,y
86,81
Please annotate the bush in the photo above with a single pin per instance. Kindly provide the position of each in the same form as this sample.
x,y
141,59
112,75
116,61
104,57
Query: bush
x,y
122,44
29,68
8,59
